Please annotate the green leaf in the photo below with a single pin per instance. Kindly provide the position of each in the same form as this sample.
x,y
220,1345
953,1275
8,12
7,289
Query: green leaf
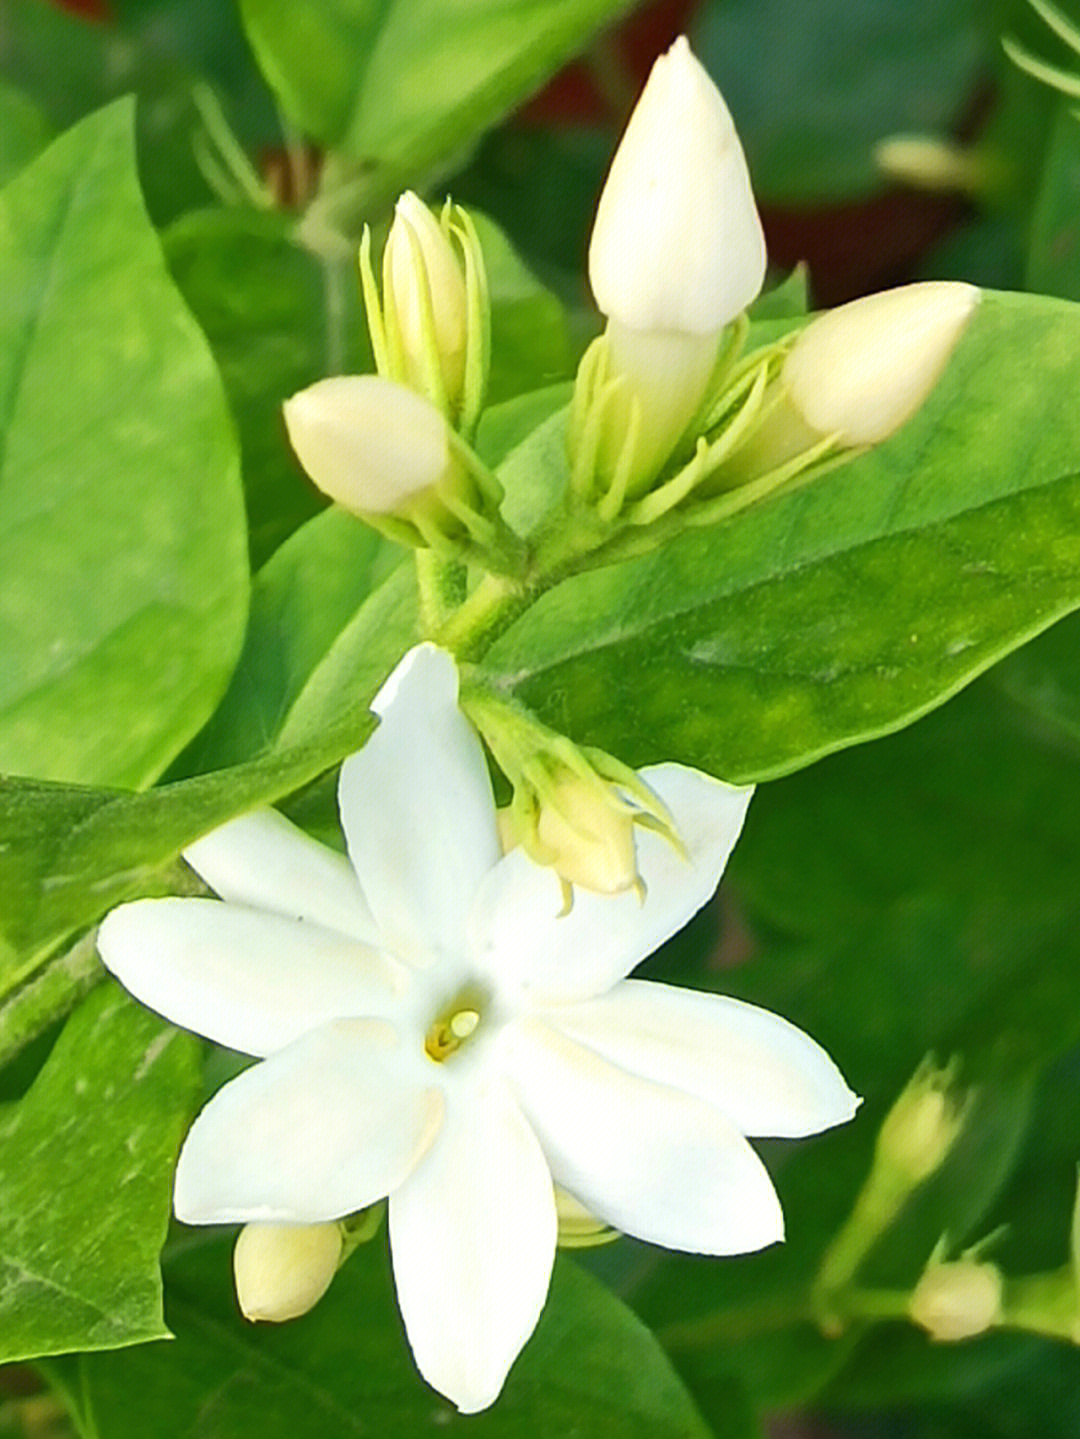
x,y
344,1369
261,302
70,67
124,579
24,131
1054,255
849,607
838,78
317,597
530,340
86,1160
69,855
401,87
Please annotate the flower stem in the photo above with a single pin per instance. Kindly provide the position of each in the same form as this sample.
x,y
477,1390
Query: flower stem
x,y
441,586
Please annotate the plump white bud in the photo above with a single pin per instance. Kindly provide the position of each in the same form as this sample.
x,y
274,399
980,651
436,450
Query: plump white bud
x,y
588,836
861,370
283,1270
957,1300
368,443
677,243
424,277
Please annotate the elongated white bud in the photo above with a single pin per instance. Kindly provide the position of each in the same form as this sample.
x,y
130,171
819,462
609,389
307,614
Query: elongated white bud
x,y
283,1270
861,370
368,443
424,280
677,243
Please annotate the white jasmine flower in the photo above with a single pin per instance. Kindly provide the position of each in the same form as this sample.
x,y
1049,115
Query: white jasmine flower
x,y
434,1031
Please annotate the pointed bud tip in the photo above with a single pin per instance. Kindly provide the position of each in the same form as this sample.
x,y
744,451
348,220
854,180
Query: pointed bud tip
x,y
860,371
677,243
427,282
366,442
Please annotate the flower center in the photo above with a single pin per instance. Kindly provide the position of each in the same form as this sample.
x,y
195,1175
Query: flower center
x,y
450,1032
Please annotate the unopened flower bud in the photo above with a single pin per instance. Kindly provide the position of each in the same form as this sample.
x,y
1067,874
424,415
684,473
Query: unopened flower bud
x,y
677,243
586,833
861,370
424,282
579,1228
923,1124
957,1300
283,1270
677,252
368,443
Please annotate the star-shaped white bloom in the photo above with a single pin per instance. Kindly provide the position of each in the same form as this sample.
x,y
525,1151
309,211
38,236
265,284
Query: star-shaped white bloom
x,y
434,1028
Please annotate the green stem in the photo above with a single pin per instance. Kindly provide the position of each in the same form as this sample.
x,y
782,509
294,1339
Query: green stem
x,y
878,1204
1043,1304
732,1325
487,613
441,586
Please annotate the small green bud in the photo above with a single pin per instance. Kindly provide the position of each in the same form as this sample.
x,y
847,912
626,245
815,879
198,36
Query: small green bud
x,y
923,1124
957,1299
585,832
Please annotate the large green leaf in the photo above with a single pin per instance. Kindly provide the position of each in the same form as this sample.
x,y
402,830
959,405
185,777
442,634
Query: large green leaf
x,y
24,131
1054,255
123,577
86,1160
849,607
344,1369
262,302
813,90
336,605
68,855
402,87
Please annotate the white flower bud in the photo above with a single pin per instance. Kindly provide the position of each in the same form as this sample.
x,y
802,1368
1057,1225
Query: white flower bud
x,y
957,1300
283,1270
677,243
587,833
425,280
368,443
861,370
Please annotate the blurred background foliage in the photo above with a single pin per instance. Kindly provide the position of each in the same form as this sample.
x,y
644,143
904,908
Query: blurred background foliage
x,y
918,894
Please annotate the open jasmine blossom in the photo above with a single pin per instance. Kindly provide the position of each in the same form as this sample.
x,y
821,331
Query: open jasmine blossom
x,y
434,1031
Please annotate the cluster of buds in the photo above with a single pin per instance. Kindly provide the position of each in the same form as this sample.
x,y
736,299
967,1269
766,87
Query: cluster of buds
x,y
393,448
664,413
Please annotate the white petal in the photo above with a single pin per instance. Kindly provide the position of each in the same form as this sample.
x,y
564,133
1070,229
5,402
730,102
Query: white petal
x,y
766,1076
652,1161
534,955
327,1126
417,810
248,980
262,860
472,1233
